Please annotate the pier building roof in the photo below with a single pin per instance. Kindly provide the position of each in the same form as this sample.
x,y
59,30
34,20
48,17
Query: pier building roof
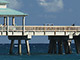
x,y
4,2
4,11
10,12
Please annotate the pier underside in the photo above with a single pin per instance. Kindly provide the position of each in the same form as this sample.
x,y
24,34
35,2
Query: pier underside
x,y
57,44
19,38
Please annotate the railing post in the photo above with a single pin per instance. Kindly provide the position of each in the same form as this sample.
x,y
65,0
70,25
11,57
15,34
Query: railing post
x,y
23,24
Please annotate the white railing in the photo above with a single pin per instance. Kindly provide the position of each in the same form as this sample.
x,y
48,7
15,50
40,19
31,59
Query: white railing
x,y
52,28
41,28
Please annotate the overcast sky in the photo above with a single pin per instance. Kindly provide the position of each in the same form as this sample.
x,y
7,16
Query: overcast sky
x,y
57,12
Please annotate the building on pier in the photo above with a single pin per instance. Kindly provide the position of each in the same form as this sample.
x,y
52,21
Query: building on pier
x,y
7,13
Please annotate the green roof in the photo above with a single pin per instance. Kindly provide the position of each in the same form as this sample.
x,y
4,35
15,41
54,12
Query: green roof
x,y
10,12
3,2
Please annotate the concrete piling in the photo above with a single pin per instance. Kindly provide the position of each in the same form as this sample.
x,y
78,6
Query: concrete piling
x,y
69,47
50,51
60,49
11,47
27,47
77,44
55,47
65,43
19,47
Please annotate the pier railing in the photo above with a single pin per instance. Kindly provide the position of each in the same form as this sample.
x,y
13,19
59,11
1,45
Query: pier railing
x,y
41,28
52,28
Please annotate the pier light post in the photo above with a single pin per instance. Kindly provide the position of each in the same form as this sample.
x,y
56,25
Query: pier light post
x,y
13,21
23,24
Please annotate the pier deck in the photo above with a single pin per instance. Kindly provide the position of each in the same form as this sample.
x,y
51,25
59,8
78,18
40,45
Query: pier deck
x,y
40,30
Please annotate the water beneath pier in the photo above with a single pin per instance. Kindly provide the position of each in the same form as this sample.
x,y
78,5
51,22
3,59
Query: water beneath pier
x,y
38,52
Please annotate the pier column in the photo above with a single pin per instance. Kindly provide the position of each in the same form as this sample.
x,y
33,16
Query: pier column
x,y
55,47
5,20
13,21
65,43
23,24
50,51
11,47
60,49
7,25
77,44
69,47
19,47
27,47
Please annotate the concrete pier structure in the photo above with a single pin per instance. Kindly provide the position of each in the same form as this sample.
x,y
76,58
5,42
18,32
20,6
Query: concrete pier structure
x,y
19,38
63,43
56,34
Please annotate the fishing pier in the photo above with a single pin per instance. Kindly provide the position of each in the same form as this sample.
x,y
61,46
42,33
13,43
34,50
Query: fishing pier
x,y
61,35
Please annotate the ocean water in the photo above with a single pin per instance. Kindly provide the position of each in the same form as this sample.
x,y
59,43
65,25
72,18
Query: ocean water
x,y
38,52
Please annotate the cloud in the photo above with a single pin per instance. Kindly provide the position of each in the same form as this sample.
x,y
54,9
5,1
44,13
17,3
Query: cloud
x,y
51,5
15,4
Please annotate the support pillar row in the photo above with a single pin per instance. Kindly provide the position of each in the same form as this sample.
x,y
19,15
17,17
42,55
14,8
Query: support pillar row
x,y
52,47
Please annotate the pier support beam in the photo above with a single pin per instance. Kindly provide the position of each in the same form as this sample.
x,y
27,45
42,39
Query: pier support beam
x,y
11,47
77,44
69,47
50,51
27,47
60,49
65,43
55,47
19,47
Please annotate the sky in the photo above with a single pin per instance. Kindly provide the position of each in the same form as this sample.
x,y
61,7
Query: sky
x,y
57,12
